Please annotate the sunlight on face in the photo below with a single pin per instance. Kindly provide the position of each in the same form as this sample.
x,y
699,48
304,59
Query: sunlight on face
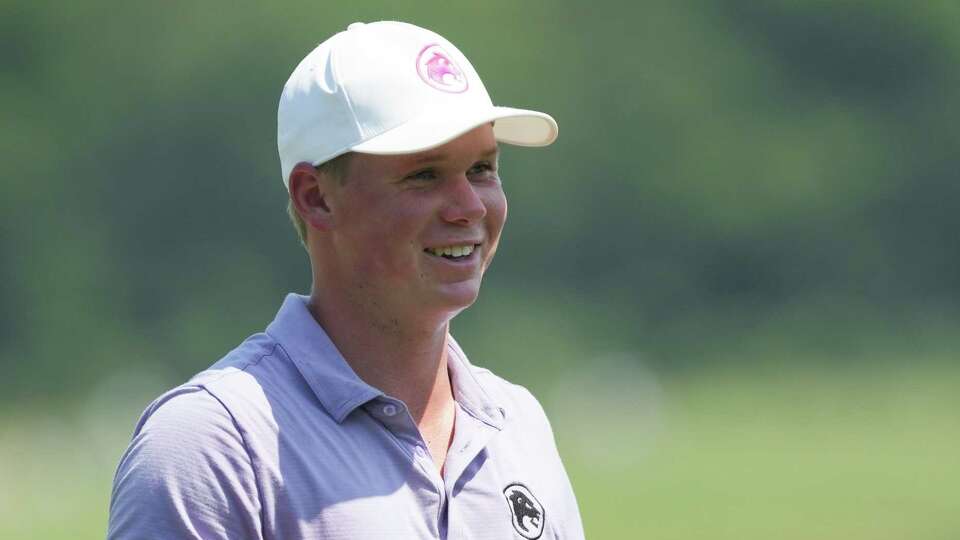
x,y
415,232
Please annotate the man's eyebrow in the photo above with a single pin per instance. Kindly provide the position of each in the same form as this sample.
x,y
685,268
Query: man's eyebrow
x,y
492,152
430,158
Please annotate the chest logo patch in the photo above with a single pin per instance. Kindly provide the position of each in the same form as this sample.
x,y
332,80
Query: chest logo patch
x,y
526,511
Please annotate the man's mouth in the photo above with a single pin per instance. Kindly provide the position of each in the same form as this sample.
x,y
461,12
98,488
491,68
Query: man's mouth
x,y
453,252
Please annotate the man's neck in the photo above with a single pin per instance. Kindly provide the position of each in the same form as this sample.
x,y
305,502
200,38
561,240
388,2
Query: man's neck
x,y
405,362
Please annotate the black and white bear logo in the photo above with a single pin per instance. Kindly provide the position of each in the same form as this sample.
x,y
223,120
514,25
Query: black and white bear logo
x,y
527,512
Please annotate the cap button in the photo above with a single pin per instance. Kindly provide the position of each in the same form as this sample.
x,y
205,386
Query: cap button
x,y
356,25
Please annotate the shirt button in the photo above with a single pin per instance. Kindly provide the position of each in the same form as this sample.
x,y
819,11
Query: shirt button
x,y
390,409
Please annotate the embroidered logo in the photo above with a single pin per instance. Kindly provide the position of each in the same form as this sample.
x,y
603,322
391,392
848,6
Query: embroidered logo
x,y
526,511
437,69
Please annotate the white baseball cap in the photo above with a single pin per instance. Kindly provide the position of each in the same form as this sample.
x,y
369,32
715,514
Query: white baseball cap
x,y
390,88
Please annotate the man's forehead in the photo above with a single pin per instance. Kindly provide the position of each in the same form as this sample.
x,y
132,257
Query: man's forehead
x,y
475,145
440,154
478,143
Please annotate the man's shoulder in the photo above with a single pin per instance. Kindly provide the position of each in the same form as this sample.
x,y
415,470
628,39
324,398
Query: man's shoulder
x,y
502,388
250,356
244,381
185,438
256,369
183,418
520,405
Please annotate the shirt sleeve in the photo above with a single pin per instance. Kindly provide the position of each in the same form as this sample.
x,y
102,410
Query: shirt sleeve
x,y
186,474
570,525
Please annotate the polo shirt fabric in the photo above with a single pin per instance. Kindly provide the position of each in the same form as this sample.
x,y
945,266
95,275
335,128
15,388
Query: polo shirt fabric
x,y
281,440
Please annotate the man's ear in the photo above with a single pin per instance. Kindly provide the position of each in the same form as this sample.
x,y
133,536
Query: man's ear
x,y
310,193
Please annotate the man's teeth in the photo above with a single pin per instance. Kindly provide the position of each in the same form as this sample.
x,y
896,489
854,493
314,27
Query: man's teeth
x,y
452,251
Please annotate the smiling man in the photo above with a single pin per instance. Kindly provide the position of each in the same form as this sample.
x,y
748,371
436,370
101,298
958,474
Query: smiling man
x,y
355,414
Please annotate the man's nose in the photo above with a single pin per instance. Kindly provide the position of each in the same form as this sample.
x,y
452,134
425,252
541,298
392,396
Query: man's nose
x,y
464,205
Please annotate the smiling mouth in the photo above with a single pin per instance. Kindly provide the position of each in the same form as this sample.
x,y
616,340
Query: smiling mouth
x,y
453,252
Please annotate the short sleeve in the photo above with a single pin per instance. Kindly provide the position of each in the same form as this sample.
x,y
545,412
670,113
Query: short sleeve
x,y
569,523
186,474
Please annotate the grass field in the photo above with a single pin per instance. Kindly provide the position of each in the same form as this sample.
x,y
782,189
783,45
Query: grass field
x,y
788,455
867,453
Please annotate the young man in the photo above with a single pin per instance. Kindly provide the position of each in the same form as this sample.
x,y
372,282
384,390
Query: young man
x,y
355,414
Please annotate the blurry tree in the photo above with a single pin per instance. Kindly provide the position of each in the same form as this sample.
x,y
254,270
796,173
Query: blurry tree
x,y
718,161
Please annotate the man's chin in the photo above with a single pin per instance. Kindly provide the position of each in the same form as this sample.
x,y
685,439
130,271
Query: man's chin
x,y
455,297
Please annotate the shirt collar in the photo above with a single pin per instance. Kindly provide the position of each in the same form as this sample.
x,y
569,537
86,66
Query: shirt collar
x,y
468,391
338,387
334,382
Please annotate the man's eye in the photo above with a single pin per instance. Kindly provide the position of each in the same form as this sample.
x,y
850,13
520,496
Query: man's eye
x,y
481,168
424,175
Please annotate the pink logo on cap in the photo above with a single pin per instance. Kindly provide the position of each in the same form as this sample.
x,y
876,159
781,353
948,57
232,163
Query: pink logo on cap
x,y
437,69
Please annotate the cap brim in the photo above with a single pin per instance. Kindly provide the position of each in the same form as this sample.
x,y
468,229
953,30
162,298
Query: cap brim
x,y
512,126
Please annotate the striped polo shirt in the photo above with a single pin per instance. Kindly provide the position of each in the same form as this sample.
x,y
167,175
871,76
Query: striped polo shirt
x,y
281,440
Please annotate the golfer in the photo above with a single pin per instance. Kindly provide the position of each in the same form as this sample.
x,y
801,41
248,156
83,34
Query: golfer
x,y
355,414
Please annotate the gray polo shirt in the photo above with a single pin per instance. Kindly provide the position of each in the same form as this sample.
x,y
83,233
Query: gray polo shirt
x,y
280,439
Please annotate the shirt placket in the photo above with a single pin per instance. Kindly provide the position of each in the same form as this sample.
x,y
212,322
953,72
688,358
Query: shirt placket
x,y
395,418
470,437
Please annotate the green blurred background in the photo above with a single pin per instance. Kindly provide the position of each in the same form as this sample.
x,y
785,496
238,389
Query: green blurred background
x,y
734,281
